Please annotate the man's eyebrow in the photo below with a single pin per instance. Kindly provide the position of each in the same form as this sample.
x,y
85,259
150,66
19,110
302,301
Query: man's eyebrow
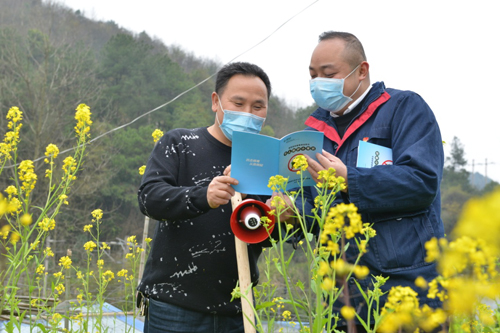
x,y
237,98
332,66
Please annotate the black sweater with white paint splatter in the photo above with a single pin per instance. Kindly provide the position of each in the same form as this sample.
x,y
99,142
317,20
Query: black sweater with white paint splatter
x,y
192,261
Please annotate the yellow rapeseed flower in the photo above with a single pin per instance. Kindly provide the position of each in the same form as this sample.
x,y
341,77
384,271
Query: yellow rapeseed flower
x,y
65,262
40,269
89,246
432,248
34,245
48,252
47,224
11,138
63,198
142,169
324,268
277,183
51,151
14,206
27,176
11,191
132,239
480,219
97,214
25,219
328,179
108,275
60,288
14,237
327,284
82,116
361,272
421,283
300,163
157,134
341,267
122,273
69,165
56,317
348,312
14,114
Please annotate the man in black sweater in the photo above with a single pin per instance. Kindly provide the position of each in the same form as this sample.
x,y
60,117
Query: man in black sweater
x,y
192,270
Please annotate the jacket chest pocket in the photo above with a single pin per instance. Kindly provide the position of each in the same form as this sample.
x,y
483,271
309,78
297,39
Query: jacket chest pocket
x,y
379,135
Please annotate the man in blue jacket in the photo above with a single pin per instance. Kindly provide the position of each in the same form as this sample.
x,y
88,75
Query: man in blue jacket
x,y
402,200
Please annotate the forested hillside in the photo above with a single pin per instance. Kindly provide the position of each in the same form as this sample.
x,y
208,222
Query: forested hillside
x,y
52,59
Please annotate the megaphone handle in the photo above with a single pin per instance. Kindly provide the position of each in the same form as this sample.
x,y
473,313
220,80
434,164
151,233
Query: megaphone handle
x,y
244,275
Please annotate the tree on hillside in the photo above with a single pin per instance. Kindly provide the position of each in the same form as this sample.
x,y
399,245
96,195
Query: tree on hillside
x,y
46,82
455,186
456,161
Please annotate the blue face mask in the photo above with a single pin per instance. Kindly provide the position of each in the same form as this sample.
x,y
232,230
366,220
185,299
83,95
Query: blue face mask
x,y
239,121
329,93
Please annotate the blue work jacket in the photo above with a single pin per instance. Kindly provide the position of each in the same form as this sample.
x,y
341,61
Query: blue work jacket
x,y
402,200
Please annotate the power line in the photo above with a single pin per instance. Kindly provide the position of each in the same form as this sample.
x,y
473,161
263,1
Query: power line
x,y
182,93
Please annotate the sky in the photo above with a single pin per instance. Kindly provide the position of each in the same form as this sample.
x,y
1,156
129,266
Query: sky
x,y
446,51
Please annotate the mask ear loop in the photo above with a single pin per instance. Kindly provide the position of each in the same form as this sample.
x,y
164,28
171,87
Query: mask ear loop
x,y
359,85
222,109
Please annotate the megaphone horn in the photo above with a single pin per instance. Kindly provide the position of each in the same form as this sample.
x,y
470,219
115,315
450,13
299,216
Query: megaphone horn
x,y
246,221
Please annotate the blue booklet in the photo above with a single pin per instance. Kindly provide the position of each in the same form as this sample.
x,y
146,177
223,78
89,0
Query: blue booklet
x,y
370,155
255,158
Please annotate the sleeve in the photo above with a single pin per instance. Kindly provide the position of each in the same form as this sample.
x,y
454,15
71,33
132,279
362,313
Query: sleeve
x,y
160,195
412,183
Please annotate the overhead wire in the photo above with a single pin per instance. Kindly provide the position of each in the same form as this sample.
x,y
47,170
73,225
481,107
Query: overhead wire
x,y
182,93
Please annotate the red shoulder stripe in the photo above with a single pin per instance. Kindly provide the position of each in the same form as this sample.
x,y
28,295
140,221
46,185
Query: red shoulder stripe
x,y
332,134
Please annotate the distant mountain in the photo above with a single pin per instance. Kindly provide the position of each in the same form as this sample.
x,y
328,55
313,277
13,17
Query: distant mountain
x,y
479,181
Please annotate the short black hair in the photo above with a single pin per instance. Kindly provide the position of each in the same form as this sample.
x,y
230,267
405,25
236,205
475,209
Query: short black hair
x,y
354,51
244,68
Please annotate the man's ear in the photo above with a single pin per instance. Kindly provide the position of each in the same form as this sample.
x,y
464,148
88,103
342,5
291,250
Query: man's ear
x,y
215,102
364,69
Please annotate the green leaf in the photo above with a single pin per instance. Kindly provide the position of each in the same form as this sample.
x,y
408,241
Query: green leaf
x,y
278,267
264,305
361,290
300,285
41,327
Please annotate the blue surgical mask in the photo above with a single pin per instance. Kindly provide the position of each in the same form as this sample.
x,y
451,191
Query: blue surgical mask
x,y
239,121
329,93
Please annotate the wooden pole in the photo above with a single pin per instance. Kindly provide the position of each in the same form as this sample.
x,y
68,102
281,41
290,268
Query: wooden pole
x,y
143,253
244,276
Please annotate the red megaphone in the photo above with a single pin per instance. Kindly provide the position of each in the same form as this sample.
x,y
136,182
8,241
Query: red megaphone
x,y
246,221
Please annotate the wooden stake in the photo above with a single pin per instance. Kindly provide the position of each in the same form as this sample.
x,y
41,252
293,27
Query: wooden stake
x,y
244,276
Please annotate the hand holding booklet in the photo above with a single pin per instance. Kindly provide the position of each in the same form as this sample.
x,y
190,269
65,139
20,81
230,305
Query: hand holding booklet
x,y
255,158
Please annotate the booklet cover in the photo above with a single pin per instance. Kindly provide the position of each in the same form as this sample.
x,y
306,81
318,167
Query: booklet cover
x,y
255,158
370,155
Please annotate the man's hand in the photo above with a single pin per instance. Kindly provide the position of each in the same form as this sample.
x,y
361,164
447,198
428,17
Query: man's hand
x,y
227,172
220,191
326,161
286,214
